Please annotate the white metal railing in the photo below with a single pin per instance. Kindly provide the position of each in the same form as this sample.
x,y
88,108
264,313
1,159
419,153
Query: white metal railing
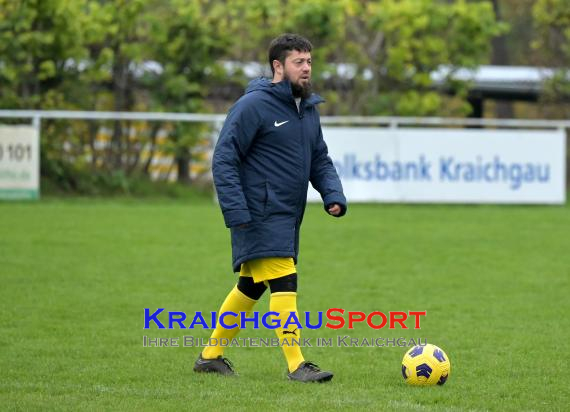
x,y
37,115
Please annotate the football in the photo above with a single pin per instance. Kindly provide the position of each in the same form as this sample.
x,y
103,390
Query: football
x,y
426,365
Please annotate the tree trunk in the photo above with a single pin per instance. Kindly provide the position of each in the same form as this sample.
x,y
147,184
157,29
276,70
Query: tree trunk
x,y
500,57
153,136
183,163
122,103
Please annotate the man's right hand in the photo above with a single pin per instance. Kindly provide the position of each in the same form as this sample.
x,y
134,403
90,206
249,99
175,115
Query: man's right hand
x,y
334,209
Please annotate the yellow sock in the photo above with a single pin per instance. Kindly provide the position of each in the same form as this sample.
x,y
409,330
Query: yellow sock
x,y
236,302
284,303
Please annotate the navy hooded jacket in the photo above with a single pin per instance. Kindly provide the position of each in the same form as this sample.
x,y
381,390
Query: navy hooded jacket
x,y
266,154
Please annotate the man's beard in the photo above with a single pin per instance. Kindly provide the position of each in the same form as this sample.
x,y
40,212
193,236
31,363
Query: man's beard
x,y
299,90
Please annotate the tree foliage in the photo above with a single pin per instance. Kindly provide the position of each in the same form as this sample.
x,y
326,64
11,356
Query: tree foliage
x,y
375,57
552,23
370,57
38,39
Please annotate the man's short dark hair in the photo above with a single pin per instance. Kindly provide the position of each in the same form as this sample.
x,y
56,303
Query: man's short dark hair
x,y
280,47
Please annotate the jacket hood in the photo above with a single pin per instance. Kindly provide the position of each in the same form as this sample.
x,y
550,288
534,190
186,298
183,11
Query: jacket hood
x,y
281,90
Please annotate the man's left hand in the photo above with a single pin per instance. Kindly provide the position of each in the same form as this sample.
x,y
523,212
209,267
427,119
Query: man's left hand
x,y
334,209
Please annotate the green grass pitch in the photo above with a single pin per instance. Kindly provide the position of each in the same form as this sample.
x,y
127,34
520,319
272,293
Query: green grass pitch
x,y
77,274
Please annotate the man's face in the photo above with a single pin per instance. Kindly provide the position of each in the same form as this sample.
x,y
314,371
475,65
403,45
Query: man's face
x,y
297,70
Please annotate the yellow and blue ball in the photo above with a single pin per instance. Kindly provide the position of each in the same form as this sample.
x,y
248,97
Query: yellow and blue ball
x,y
426,365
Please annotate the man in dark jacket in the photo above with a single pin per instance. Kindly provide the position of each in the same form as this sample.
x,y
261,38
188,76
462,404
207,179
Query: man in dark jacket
x,y
270,148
